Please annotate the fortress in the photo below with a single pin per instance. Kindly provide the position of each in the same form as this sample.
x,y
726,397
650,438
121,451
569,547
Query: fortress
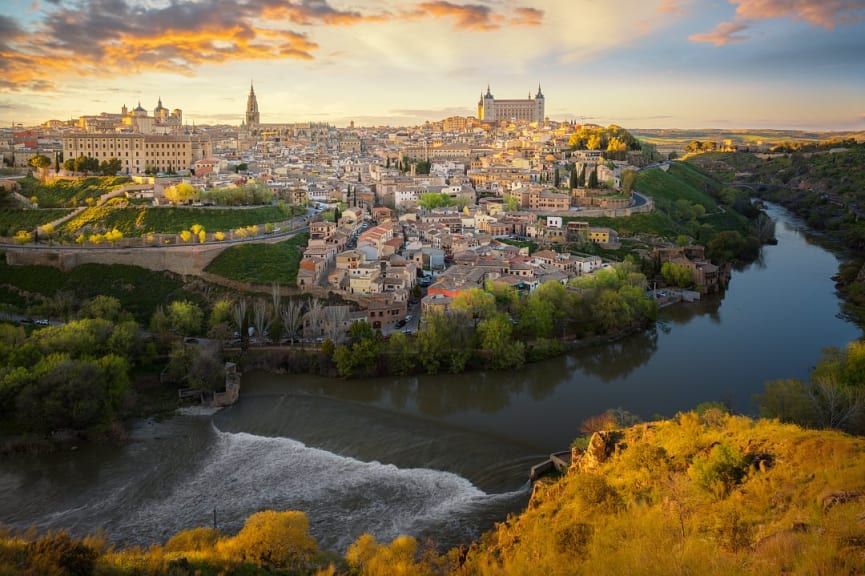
x,y
529,110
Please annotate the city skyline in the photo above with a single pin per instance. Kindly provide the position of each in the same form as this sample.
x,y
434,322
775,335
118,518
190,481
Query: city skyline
x,y
788,64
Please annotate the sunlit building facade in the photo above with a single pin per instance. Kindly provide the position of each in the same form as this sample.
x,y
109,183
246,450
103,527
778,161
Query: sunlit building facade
x,y
528,110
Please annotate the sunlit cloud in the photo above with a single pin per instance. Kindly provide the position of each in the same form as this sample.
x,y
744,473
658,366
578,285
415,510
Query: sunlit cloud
x,y
527,17
104,37
672,7
824,13
465,17
723,33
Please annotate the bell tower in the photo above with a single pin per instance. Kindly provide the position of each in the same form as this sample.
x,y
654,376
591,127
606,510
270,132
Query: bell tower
x,y
252,119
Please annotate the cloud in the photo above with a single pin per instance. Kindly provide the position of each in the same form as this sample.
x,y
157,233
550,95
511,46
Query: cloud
x,y
672,7
466,17
104,37
474,17
527,17
723,33
824,13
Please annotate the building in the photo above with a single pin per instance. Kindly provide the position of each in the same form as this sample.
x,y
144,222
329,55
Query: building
x,y
529,110
252,117
138,153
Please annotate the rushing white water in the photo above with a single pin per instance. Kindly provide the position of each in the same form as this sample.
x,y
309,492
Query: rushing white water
x,y
240,473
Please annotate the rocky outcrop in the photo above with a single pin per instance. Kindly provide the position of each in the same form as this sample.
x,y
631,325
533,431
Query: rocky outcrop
x,y
601,446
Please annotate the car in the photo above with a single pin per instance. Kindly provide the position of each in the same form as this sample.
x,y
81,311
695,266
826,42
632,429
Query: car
x,y
400,323
42,322
408,317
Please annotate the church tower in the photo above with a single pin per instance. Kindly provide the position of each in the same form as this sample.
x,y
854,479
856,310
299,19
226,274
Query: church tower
x,y
252,119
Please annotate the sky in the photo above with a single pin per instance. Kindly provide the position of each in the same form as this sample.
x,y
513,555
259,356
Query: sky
x,y
786,64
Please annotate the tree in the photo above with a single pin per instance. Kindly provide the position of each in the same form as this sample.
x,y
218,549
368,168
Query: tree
x,y
572,179
629,178
677,275
279,540
497,340
185,317
556,181
593,178
39,161
581,180
260,320
291,315
180,193
110,167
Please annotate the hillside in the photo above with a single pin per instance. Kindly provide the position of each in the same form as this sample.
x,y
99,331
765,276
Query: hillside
x,y
703,493
700,494
826,188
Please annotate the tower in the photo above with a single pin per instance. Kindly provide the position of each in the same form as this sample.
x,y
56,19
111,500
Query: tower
x,y
539,106
252,119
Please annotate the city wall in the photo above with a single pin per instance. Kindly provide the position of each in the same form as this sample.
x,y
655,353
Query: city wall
x,y
184,260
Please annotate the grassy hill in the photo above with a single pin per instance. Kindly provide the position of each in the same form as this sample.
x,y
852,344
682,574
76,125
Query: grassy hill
x,y
703,493
261,263
48,291
688,202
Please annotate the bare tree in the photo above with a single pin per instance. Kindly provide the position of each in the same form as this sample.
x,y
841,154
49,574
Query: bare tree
x,y
334,319
837,406
240,316
291,317
314,317
260,319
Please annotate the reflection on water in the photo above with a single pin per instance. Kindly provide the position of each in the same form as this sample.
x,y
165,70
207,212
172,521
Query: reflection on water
x,y
621,357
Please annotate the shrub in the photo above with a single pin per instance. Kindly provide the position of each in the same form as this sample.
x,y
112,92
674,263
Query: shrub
x,y
719,471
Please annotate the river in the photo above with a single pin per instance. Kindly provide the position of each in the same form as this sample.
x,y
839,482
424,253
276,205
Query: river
x,y
440,457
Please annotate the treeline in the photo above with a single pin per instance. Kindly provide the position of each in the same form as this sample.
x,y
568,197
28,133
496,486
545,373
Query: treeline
x,y
80,376
496,329
816,146
613,138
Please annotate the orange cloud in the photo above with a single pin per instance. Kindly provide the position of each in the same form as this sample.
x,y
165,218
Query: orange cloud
x,y
723,33
466,17
103,37
825,13
527,17
671,7
475,17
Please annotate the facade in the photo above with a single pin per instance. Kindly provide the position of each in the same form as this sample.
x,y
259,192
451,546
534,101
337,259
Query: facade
x,y
137,152
529,110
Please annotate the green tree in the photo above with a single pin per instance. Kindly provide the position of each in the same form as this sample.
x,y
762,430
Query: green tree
x,y
496,337
629,178
677,275
185,317
572,179
110,167
593,178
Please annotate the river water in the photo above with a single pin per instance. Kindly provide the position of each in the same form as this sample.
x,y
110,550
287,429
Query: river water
x,y
440,457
